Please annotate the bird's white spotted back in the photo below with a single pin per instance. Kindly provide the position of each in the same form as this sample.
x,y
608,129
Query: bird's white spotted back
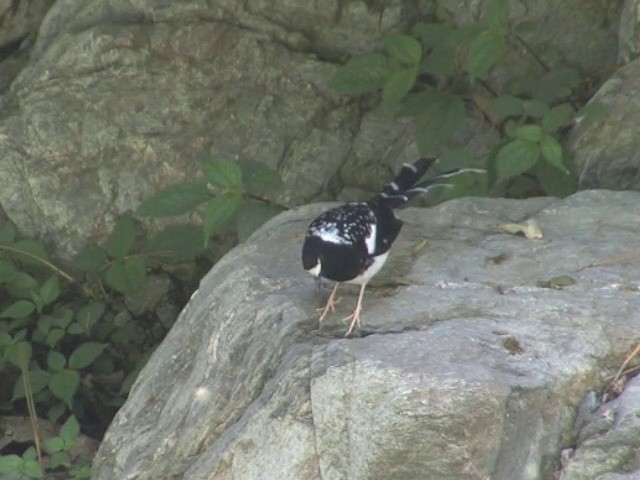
x,y
370,240
330,233
375,267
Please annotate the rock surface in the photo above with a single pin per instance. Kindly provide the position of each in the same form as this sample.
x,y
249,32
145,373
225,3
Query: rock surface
x,y
466,368
145,88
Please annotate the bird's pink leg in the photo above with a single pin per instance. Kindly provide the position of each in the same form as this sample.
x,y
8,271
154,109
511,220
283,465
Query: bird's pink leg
x,y
355,316
331,304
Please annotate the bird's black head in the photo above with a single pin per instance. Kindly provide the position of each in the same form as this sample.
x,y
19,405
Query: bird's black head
x,y
311,255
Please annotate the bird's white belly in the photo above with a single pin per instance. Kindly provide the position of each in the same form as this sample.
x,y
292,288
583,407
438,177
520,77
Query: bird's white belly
x,y
375,267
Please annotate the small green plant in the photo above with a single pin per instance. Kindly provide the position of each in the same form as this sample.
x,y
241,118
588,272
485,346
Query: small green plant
x,y
431,74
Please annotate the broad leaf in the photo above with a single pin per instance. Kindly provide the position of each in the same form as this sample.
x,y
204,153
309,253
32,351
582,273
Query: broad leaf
x,y
556,84
441,61
555,181
258,178
403,48
64,385
91,259
557,117
516,157
32,469
33,250
442,115
10,463
19,354
7,271
592,112
121,239
85,354
216,213
177,243
38,380
398,85
176,199
362,74
69,431
485,51
432,35
54,336
50,290
506,106
531,133
552,152
535,108
56,361
19,309
8,234
89,314
126,275
223,173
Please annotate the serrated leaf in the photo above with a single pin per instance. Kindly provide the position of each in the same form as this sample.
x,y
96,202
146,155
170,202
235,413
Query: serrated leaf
x,y
62,316
91,259
223,173
497,12
177,243
251,216
362,74
216,213
56,361
177,199
21,283
398,85
54,336
551,151
89,314
38,380
506,106
557,117
535,108
54,444
5,339
555,182
407,50
50,290
19,309
8,234
442,115
441,61
85,354
10,463
432,35
258,178
516,157
557,84
126,275
32,469
7,271
56,411
465,34
19,354
33,251
531,133
64,385
118,244
485,51
70,430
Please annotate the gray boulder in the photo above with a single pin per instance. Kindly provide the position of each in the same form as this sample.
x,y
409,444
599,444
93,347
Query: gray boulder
x,y
468,365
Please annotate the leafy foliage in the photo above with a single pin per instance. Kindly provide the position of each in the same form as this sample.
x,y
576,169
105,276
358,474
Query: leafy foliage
x,y
432,74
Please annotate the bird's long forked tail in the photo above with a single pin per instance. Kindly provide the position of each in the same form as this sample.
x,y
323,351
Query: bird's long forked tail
x,y
406,185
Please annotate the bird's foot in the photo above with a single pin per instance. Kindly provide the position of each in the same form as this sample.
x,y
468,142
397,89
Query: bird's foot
x,y
330,305
355,320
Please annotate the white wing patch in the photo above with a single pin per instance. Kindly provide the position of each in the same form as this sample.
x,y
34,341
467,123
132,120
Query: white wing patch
x,y
329,232
370,240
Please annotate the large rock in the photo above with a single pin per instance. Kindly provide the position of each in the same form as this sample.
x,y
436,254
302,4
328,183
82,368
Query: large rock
x,y
121,98
467,367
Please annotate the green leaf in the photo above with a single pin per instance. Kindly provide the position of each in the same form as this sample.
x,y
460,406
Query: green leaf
x,y
62,316
8,271
10,464
58,459
497,12
557,117
54,336
177,243
465,34
54,444
70,430
5,340
177,199
89,314
432,35
19,354
32,469
91,259
85,354
405,49
535,108
552,152
31,248
485,51
64,385
126,275
398,85
362,74
223,173
216,213
441,61
554,181
251,216
258,178
38,380
21,282
506,106
442,115
55,411
121,239
56,361
531,133
593,111
19,309
8,234
516,157
557,84
50,290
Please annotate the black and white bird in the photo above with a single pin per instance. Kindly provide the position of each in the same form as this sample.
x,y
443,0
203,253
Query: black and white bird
x,y
350,243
